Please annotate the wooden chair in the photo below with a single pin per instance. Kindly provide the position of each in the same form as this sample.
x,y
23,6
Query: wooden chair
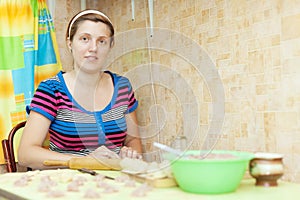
x,y
8,148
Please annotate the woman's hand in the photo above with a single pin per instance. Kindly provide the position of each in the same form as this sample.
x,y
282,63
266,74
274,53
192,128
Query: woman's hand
x,y
128,152
103,152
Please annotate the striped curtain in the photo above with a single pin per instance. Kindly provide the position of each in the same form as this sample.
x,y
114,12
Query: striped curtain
x,y
28,54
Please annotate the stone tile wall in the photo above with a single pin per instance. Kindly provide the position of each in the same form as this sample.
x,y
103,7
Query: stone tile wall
x,y
253,46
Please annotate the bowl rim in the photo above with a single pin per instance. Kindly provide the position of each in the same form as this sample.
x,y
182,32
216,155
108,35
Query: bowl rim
x,y
242,156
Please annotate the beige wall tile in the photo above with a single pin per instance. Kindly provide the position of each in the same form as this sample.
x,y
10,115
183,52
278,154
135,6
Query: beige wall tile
x,y
290,27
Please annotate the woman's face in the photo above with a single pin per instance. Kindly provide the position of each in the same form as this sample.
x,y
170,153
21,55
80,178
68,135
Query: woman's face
x,y
90,46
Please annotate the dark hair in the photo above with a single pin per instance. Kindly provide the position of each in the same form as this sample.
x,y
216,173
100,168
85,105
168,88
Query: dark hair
x,y
91,17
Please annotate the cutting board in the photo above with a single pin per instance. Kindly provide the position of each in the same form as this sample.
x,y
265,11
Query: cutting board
x,y
164,182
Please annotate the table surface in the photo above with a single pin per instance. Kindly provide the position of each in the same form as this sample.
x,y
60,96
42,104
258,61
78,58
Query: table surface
x,y
246,190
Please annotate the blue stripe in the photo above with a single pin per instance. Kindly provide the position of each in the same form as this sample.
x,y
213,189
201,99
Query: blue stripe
x,y
115,126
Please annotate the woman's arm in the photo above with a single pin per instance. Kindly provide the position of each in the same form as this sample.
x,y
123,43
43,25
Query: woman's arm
x,y
133,143
31,153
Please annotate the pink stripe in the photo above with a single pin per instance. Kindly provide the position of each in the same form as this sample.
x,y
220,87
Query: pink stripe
x,y
69,139
132,100
120,104
65,102
81,145
51,99
122,97
45,96
70,108
44,109
64,97
58,145
61,95
69,146
117,141
123,90
115,135
45,103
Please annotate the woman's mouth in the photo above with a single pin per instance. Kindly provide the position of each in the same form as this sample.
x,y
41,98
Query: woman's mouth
x,y
91,58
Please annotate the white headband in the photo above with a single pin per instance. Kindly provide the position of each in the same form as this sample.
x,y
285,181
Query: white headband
x,y
85,12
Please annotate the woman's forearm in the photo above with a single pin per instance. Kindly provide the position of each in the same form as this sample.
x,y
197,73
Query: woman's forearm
x,y
133,138
34,157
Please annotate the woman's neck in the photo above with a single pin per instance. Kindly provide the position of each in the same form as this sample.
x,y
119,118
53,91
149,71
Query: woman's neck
x,y
85,79
92,91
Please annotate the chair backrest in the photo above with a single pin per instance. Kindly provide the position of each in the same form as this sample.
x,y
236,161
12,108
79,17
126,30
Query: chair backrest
x,y
8,148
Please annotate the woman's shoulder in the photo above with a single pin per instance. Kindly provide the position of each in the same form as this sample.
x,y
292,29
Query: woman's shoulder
x,y
118,79
53,78
53,81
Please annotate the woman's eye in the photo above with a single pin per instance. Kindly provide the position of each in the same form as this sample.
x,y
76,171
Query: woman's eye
x,y
85,39
103,42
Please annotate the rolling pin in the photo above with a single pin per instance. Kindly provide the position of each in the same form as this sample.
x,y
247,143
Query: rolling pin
x,y
87,162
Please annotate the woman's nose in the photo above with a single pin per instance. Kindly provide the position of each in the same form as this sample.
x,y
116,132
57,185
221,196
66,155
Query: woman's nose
x,y
93,45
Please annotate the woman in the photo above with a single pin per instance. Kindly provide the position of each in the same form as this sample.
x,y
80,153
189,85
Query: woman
x,y
85,108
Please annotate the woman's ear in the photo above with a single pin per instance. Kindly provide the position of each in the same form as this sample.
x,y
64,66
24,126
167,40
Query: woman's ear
x,y
69,43
112,42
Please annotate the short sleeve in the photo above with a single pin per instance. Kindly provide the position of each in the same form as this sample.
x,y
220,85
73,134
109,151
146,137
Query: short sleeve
x,y
133,103
124,96
44,100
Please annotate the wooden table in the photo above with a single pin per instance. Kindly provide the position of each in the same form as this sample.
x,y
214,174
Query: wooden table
x,y
246,191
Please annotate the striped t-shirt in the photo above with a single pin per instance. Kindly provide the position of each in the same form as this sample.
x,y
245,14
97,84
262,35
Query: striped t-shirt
x,y
78,131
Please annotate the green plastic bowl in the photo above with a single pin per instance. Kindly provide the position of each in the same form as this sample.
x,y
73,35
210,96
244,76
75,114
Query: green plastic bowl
x,y
210,175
